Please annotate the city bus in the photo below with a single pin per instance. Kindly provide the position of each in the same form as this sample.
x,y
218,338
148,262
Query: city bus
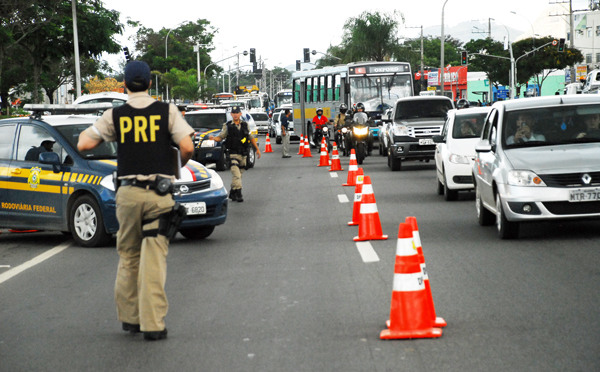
x,y
282,97
376,84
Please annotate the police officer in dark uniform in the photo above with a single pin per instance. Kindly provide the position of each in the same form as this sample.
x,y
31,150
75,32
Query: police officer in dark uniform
x,y
144,130
238,143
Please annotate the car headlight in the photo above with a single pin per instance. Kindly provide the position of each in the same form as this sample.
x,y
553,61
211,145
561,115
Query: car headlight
x,y
107,182
458,159
524,178
401,130
216,182
361,131
208,143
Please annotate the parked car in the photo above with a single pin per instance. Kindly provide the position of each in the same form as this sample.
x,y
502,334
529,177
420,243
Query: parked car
x,y
59,188
261,119
384,125
455,150
210,122
275,125
538,159
114,98
416,120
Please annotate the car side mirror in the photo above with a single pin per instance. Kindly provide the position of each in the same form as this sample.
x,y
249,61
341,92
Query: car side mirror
x,y
483,146
51,158
438,139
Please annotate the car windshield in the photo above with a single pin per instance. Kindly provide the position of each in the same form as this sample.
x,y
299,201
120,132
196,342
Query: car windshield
x,y
552,126
378,93
206,120
412,109
468,126
260,117
105,150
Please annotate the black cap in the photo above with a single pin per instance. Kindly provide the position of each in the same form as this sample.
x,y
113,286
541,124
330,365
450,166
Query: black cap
x,y
137,76
235,110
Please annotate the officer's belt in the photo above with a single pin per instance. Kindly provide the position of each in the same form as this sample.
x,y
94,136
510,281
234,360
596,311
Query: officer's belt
x,y
138,183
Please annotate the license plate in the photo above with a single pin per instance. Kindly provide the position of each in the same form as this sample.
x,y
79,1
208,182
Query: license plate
x,y
195,208
583,195
426,141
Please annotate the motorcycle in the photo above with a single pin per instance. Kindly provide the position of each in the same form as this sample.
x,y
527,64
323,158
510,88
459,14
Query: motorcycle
x,y
360,139
319,135
341,140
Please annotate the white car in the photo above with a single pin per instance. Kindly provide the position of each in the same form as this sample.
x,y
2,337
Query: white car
x,y
538,159
262,121
114,98
455,150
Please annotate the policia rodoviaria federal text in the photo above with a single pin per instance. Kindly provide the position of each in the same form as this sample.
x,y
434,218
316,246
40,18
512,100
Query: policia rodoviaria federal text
x,y
144,130
238,143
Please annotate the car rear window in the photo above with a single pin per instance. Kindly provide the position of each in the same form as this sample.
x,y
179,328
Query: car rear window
x,y
468,126
206,120
260,117
413,109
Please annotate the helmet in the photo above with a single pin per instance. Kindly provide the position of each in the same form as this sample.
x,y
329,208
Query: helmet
x,y
462,103
360,106
319,109
343,108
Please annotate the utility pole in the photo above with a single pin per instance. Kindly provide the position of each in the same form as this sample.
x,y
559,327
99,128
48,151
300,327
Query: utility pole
x,y
571,27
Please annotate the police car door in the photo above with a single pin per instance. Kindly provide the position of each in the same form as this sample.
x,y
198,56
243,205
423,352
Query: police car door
x,y
35,196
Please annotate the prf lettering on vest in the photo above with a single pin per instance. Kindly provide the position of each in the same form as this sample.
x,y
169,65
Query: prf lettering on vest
x,y
139,125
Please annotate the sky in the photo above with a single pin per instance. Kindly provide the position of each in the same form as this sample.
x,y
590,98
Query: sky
x,y
279,30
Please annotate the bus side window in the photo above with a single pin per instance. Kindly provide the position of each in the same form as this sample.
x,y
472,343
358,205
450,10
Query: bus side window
x,y
296,84
329,94
337,88
315,89
308,90
322,89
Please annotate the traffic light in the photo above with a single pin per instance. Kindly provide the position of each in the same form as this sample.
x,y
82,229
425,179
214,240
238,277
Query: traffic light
x,y
306,55
464,58
252,55
126,52
298,68
561,45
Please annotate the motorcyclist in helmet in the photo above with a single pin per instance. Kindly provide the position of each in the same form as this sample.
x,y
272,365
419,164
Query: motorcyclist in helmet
x,y
360,117
319,120
340,119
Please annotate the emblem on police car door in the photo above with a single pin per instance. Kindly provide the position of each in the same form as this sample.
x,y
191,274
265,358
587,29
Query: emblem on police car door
x,y
34,177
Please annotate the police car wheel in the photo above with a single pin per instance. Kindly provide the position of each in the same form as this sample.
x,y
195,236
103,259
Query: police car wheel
x,y
198,232
87,224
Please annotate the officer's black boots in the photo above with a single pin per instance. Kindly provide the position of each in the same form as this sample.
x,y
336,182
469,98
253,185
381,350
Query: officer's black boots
x,y
236,195
232,194
240,198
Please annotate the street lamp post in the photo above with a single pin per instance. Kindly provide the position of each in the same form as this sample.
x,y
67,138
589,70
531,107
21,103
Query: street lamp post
x,y
442,42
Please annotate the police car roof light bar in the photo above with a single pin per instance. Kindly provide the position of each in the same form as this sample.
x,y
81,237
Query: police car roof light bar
x,y
55,109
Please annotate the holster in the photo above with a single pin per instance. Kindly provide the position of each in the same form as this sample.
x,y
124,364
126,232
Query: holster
x,y
170,221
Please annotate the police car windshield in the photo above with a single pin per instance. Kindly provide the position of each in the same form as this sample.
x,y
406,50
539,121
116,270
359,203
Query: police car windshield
x,y
106,150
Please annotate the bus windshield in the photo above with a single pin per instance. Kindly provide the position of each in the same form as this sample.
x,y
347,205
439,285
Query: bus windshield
x,y
379,93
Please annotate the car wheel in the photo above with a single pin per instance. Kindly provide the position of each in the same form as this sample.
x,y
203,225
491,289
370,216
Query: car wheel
x,y
449,195
506,229
440,187
395,164
202,232
251,158
484,217
86,223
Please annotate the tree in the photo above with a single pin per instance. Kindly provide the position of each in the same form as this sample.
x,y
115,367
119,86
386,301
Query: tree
x,y
180,43
489,56
53,40
185,85
97,85
370,37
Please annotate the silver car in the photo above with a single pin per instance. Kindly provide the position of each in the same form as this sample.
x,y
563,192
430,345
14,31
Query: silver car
x,y
538,159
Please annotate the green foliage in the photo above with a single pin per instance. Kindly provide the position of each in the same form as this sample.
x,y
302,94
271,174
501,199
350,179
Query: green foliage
x,y
185,84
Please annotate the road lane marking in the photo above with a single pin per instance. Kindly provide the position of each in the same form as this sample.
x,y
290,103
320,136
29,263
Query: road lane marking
x,y
34,261
343,198
367,253
333,175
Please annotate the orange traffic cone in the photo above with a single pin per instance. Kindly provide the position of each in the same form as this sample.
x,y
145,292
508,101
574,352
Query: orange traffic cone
x,y
409,314
369,225
336,165
324,159
307,153
357,198
301,148
352,168
268,147
437,321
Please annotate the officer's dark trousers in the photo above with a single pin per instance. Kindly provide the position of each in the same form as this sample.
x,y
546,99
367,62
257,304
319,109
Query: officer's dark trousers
x,y
140,285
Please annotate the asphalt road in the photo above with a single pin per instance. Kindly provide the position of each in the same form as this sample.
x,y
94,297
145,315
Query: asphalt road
x,y
282,287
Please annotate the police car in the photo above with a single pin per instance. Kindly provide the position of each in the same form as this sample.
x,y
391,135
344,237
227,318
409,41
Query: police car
x,y
46,184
